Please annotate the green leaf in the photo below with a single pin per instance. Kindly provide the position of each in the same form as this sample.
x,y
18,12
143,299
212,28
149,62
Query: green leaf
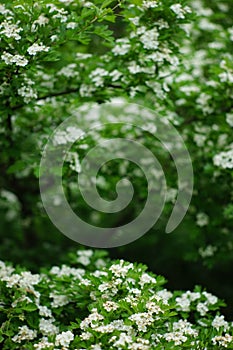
x,y
17,166
104,33
106,3
29,307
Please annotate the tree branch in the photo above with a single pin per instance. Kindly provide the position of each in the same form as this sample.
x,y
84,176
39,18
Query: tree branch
x,y
59,93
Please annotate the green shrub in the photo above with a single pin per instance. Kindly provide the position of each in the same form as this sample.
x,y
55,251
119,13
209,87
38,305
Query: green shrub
x,y
96,303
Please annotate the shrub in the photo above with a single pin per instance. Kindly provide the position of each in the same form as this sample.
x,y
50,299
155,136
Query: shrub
x,y
96,303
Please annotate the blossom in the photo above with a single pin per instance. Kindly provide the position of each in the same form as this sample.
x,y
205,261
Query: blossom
x,y
110,306
222,340
208,251
71,134
44,311
146,278
211,299
180,11
224,159
58,300
35,48
121,269
27,92
149,39
177,337
229,119
11,59
142,320
10,30
150,4
25,333
64,338
69,71
202,308
219,322
97,76
71,25
202,219
121,47
47,327
42,20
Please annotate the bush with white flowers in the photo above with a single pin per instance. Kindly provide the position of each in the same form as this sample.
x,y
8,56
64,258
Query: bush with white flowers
x,y
96,303
58,57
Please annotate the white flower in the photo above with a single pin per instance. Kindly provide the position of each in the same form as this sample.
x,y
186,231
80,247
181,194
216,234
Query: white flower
x,y
28,279
87,252
20,60
222,340
121,269
93,317
183,303
84,260
54,37
100,263
211,299
165,295
135,20
134,68
25,333
121,47
185,327
153,308
229,119
44,311
110,305
27,93
202,308
230,30
71,25
115,75
202,219
150,4
58,300
5,11
67,271
85,335
180,11
47,327
123,340
9,196
226,77
69,71
98,75
142,320
86,90
171,195
71,134
41,21
11,59
224,159
43,344
149,39
177,337
219,322
64,338
145,278
35,48
208,251
10,30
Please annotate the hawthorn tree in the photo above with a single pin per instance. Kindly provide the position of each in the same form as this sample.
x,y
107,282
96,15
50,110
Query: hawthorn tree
x,y
176,58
